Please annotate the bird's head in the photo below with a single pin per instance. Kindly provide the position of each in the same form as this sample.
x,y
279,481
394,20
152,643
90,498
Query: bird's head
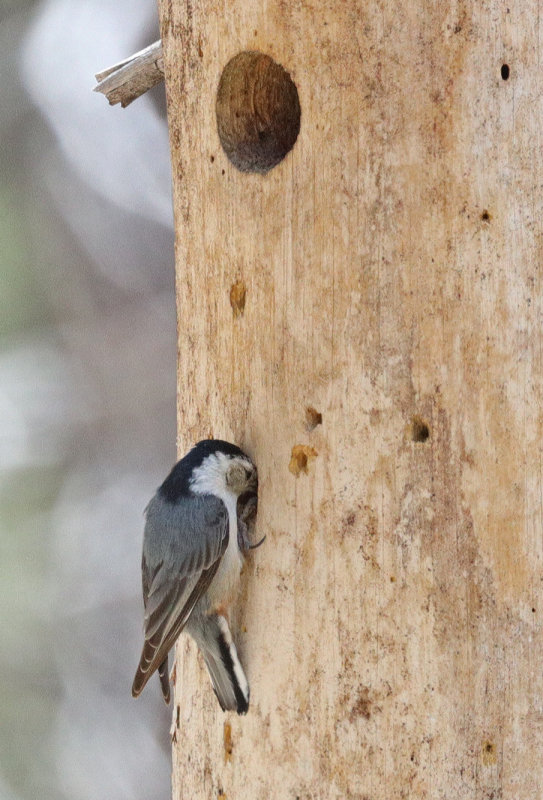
x,y
224,468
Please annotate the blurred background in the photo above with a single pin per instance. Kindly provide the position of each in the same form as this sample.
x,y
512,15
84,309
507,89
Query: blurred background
x,y
87,400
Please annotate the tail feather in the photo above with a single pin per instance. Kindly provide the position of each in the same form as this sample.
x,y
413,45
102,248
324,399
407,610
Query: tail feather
x,y
164,680
221,659
142,676
214,639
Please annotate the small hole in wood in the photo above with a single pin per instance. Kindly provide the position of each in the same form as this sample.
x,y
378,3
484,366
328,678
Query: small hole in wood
x,y
238,296
300,458
485,216
312,418
505,71
420,432
489,753
227,741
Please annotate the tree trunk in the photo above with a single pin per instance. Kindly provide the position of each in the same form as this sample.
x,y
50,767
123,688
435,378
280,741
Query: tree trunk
x,y
390,271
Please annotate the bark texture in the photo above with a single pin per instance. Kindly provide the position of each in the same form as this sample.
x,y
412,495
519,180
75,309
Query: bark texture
x,y
390,270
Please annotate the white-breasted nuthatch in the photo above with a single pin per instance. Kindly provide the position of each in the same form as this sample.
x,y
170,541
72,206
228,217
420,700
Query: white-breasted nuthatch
x,y
193,544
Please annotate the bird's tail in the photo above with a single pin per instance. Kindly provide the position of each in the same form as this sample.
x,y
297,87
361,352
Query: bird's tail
x,y
230,684
143,675
164,680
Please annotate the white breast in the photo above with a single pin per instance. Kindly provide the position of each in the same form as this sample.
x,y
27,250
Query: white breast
x,y
225,583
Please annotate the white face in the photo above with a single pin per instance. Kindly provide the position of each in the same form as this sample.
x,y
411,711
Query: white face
x,y
219,474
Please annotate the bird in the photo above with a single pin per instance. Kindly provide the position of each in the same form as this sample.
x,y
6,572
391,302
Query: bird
x,y
195,538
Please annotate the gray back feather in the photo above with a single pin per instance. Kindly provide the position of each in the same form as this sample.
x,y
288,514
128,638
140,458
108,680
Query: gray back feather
x,y
182,547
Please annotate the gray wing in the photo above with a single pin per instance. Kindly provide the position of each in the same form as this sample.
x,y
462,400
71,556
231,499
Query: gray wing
x,y
183,546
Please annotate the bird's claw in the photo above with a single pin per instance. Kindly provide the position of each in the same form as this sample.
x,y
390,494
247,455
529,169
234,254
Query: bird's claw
x,y
244,542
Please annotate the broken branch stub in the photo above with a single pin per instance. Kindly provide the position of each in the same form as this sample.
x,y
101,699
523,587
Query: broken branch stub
x,y
129,79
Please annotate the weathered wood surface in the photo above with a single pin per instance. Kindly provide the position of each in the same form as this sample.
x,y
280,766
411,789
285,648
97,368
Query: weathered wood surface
x,y
391,623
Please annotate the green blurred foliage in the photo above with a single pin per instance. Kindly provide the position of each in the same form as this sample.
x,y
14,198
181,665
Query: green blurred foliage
x,y
21,305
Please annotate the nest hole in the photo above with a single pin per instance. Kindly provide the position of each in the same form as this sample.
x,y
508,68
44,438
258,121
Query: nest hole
x,y
258,112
